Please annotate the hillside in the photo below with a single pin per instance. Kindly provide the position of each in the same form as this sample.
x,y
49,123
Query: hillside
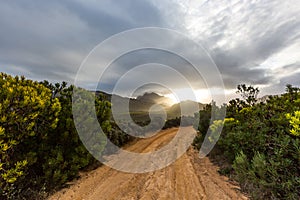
x,y
139,107
187,108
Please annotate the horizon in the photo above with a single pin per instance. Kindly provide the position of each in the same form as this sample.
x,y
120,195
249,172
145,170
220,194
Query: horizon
x,y
175,100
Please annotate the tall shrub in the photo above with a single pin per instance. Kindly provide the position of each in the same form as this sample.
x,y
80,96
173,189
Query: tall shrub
x,y
27,113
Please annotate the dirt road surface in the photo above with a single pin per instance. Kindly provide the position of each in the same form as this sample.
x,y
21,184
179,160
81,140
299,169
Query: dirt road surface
x,y
189,178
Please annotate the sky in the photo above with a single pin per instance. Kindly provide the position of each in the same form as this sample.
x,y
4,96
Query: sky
x,y
255,42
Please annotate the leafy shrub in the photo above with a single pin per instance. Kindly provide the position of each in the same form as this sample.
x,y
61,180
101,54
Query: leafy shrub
x,y
27,113
66,154
260,141
39,145
210,124
295,123
172,123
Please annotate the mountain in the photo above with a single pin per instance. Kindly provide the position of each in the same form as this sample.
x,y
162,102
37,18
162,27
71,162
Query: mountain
x,y
139,107
155,99
187,108
140,104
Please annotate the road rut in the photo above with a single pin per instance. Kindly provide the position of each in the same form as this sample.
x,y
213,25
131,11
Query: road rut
x,y
189,178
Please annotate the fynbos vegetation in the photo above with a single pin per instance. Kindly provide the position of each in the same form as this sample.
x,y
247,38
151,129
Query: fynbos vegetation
x,y
39,146
261,142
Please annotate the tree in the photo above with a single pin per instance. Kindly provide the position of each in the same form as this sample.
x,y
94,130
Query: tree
x,y
248,93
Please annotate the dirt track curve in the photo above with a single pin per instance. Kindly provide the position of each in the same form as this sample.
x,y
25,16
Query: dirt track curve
x,y
189,178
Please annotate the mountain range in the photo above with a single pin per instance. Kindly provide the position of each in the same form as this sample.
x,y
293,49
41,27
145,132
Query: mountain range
x,y
139,107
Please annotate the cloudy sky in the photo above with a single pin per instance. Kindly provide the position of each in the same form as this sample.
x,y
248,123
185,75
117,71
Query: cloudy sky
x,y
251,41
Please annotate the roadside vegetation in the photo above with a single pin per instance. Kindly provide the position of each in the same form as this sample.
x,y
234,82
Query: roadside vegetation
x,y
260,142
40,149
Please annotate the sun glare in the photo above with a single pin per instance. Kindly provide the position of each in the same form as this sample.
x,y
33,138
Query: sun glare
x,y
184,94
201,95
173,98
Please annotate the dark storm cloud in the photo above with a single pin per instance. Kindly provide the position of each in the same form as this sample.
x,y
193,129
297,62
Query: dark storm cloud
x,y
137,58
53,37
49,39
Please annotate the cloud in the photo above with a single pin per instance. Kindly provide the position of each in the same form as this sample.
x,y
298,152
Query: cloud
x,y
289,75
255,41
55,36
240,35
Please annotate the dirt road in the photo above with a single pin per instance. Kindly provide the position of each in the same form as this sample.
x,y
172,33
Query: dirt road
x,y
188,178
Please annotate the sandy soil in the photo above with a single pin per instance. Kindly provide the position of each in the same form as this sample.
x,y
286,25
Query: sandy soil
x,y
188,178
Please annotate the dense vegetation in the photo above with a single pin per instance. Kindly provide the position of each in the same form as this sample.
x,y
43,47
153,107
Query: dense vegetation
x,y
28,113
39,146
40,149
260,141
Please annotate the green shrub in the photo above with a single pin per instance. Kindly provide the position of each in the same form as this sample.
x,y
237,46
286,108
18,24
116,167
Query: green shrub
x,y
295,123
27,113
39,145
64,152
261,142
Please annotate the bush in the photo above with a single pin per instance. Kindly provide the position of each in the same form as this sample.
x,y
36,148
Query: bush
x,y
39,145
66,154
295,123
261,142
27,113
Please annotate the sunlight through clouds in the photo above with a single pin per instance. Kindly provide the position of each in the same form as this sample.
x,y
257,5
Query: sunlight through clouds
x,y
254,42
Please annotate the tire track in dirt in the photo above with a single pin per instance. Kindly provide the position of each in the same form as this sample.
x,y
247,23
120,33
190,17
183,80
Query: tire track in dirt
x,y
188,178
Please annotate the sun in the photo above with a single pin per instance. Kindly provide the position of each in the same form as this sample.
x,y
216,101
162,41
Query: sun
x,y
183,94
173,98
